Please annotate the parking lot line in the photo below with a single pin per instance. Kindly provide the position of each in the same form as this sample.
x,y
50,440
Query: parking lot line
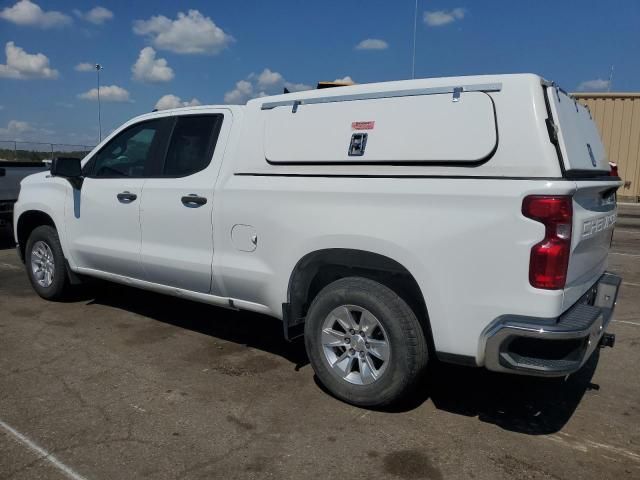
x,y
627,322
41,452
8,266
584,445
624,254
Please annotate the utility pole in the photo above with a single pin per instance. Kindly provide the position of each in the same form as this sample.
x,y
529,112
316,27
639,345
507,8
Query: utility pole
x,y
98,68
415,26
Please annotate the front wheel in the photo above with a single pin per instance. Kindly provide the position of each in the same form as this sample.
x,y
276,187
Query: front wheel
x,y
45,263
364,342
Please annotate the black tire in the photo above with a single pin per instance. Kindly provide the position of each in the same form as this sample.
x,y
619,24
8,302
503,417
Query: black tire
x,y
59,287
408,355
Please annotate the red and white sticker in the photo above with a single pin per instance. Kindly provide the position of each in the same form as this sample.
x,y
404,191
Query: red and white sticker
x,y
363,125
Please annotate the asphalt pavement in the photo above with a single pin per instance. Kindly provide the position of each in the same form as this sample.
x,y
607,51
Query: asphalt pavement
x,y
121,383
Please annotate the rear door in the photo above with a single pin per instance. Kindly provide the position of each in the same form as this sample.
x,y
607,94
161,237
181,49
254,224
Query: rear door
x,y
594,201
177,204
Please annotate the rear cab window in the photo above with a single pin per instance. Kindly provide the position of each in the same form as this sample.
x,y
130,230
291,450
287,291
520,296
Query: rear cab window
x,y
192,144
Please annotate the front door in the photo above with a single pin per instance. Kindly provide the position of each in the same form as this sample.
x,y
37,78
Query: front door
x,y
177,204
102,219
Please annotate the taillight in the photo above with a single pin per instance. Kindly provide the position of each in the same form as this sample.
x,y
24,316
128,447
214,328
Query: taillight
x,y
549,259
614,169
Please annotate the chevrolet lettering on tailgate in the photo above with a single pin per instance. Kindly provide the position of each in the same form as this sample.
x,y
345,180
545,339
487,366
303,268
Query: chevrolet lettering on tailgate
x,y
595,225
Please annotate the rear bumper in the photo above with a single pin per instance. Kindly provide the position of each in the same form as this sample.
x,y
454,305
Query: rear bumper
x,y
552,346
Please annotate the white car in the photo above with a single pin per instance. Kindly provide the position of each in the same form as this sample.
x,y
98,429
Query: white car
x,y
466,219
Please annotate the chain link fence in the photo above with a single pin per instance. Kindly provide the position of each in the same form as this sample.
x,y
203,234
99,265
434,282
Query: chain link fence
x,y
14,151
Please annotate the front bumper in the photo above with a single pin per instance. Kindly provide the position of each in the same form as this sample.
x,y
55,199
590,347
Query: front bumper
x,y
552,346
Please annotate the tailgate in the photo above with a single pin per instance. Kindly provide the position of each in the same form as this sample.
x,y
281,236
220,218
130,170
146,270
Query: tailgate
x,y
12,173
9,182
594,216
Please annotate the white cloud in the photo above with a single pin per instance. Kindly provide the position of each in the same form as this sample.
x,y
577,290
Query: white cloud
x,y
346,79
148,68
372,44
97,15
438,18
190,33
263,84
268,79
108,93
85,67
23,65
595,85
20,130
15,129
30,14
240,94
172,101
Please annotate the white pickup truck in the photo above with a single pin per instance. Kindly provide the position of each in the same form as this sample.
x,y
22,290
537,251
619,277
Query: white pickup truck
x,y
466,219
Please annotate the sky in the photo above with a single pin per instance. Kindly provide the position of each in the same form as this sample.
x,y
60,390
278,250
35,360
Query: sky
x,y
163,54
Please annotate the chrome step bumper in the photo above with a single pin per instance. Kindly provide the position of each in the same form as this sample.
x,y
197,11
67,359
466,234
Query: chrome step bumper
x,y
552,346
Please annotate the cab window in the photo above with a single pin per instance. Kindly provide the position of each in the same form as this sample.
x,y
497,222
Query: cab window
x,y
128,154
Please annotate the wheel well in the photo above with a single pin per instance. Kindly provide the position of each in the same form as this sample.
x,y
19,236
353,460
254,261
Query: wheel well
x,y
27,222
318,269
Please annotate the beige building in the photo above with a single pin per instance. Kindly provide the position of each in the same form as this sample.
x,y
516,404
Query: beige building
x,y
618,118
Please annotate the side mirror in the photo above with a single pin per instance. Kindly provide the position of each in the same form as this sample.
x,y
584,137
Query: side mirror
x,y
69,168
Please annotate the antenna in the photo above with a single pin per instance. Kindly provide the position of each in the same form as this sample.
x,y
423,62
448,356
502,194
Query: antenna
x,y
610,79
415,24
98,68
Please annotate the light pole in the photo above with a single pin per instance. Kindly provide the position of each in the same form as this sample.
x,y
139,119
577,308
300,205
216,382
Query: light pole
x,y
98,68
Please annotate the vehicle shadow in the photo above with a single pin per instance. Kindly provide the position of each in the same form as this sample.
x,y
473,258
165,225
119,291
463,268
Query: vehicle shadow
x,y
246,328
521,404
528,405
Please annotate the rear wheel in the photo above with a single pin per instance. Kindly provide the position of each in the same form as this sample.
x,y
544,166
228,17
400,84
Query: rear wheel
x,y
45,263
364,342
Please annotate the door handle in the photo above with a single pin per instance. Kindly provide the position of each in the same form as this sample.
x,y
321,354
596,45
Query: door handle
x,y
193,201
126,197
